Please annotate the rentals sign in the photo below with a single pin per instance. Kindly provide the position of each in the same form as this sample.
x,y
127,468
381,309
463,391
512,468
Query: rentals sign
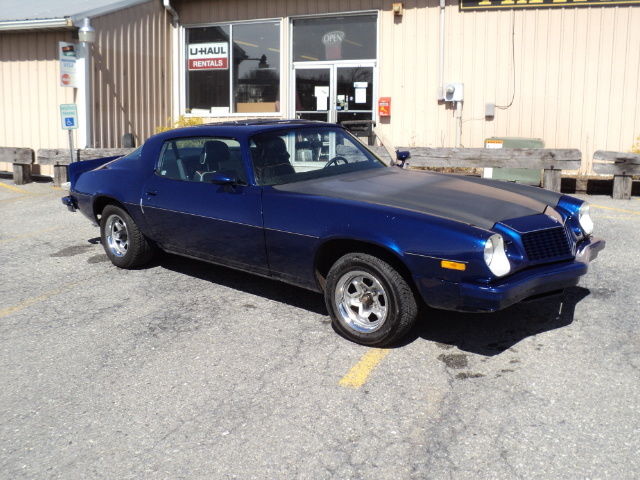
x,y
208,56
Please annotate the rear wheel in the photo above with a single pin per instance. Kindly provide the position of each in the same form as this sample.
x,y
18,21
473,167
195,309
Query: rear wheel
x,y
122,240
369,301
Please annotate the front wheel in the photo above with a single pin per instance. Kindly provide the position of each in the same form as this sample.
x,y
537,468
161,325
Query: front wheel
x,y
123,242
369,301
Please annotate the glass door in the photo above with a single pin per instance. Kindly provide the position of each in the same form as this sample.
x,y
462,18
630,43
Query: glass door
x,y
354,93
312,93
334,92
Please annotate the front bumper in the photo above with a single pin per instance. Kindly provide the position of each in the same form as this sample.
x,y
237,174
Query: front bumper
x,y
514,288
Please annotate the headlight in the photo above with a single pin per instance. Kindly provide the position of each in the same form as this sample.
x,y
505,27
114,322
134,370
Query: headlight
x,y
584,216
495,256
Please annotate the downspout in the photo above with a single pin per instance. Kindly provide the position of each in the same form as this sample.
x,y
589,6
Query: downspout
x,y
442,24
172,11
175,62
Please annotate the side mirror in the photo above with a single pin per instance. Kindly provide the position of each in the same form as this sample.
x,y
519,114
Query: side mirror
x,y
402,155
222,178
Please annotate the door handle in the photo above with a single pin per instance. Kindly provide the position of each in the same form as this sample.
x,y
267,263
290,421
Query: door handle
x,y
152,193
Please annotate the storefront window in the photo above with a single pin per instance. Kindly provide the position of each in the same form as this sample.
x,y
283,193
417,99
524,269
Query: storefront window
x,y
350,37
243,78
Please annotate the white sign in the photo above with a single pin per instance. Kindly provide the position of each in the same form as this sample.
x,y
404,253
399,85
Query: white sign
x,y
69,116
67,53
361,95
208,56
322,97
490,143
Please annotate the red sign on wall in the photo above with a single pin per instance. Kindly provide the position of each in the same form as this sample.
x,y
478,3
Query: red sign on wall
x,y
208,56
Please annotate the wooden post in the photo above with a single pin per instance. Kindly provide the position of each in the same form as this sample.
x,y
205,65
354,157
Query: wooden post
x,y
622,166
21,173
552,179
60,175
622,186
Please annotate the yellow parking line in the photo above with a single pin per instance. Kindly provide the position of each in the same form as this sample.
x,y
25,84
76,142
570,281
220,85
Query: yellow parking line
x,y
30,234
14,189
634,212
359,373
30,301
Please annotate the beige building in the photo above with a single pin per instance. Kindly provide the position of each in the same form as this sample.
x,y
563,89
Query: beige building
x,y
455,73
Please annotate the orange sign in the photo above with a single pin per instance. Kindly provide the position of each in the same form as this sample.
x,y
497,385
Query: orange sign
x,y
384,106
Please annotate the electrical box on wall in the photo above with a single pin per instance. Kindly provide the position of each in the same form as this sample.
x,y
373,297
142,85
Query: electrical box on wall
x,y
454,92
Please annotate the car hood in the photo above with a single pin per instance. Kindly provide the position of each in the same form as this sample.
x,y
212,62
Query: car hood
x,y
471,200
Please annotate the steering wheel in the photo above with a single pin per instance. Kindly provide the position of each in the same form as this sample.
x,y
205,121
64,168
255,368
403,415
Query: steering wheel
x,y
335,160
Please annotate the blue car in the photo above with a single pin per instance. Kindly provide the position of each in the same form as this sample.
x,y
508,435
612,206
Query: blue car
x,y
306,203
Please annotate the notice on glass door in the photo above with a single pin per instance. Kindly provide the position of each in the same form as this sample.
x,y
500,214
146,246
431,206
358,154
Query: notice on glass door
x,y
322,97
361,95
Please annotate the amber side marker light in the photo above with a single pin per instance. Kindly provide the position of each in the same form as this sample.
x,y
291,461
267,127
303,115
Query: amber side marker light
x,y
453,265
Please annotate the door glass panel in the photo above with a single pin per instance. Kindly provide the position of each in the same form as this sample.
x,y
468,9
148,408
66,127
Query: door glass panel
x,y
312,93
351,37
354,88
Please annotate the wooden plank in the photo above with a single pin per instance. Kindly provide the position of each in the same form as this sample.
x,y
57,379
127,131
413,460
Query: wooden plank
x,y
622,185
16,155
616,163
533,158
93,153
21,173
54,156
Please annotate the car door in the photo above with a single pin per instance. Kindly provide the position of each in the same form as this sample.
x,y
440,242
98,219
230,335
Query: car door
x,y
190,215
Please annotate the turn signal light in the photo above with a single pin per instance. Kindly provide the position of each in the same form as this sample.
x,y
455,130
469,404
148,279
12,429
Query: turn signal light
x,y
453,265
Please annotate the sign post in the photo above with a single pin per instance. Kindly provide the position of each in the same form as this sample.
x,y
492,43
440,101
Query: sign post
x,y
69,121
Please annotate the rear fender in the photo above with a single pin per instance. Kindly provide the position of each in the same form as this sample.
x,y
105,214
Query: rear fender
x,y
78,168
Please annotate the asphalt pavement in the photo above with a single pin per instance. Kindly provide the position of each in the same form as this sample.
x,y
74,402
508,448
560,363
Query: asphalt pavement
x,y
188,370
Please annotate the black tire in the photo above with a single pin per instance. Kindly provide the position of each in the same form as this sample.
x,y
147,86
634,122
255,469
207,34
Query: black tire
x,y
138,249
401,306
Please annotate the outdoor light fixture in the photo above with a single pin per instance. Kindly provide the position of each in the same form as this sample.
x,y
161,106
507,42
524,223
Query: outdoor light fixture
x,y
86,33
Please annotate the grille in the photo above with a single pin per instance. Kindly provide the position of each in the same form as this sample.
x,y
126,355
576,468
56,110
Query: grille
x,y
546,244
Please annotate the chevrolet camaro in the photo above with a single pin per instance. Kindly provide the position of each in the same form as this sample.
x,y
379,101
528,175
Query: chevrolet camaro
x,y
308,204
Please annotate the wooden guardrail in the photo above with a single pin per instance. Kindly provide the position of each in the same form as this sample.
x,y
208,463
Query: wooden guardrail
x,y
622,166
551,161
61,158
22,159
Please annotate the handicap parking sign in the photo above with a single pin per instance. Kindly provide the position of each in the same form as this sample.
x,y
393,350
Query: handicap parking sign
x,y
69,116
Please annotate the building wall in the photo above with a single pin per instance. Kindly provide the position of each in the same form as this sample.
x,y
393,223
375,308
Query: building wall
x,y
576,70
30,94
131,74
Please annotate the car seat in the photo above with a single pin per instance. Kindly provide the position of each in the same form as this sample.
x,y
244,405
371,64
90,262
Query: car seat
x,y
272,160
214,153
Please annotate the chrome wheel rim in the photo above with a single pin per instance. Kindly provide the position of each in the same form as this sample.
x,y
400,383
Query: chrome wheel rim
x,y
117,236
361,301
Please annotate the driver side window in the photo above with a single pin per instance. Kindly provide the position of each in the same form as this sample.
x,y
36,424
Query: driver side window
x,y
196,159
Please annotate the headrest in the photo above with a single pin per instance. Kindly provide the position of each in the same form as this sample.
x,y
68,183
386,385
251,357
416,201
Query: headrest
x,y
274,151
214,151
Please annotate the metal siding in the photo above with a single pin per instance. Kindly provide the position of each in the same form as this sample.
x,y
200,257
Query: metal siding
x,y
132,74
30,91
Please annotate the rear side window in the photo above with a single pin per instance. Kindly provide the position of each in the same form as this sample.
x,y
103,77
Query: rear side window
x,y
196,159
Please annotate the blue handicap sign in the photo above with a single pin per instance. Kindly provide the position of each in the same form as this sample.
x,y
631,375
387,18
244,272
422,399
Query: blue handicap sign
x,y
69,121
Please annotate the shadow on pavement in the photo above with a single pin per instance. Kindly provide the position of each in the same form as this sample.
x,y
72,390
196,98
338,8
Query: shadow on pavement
x,y
481,333
246,282
492,333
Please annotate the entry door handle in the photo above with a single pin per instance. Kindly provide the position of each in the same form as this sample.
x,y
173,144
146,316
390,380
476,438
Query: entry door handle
x,y
152,193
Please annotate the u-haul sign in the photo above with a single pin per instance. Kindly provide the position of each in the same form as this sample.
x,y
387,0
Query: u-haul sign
x,y
208,56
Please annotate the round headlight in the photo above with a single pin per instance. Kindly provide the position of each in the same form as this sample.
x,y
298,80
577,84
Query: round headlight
x,y
495,256
584,216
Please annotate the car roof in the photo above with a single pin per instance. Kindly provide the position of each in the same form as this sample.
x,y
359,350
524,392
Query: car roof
x,y
241,128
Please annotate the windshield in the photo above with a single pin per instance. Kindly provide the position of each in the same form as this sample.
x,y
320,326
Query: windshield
x,y
297,154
